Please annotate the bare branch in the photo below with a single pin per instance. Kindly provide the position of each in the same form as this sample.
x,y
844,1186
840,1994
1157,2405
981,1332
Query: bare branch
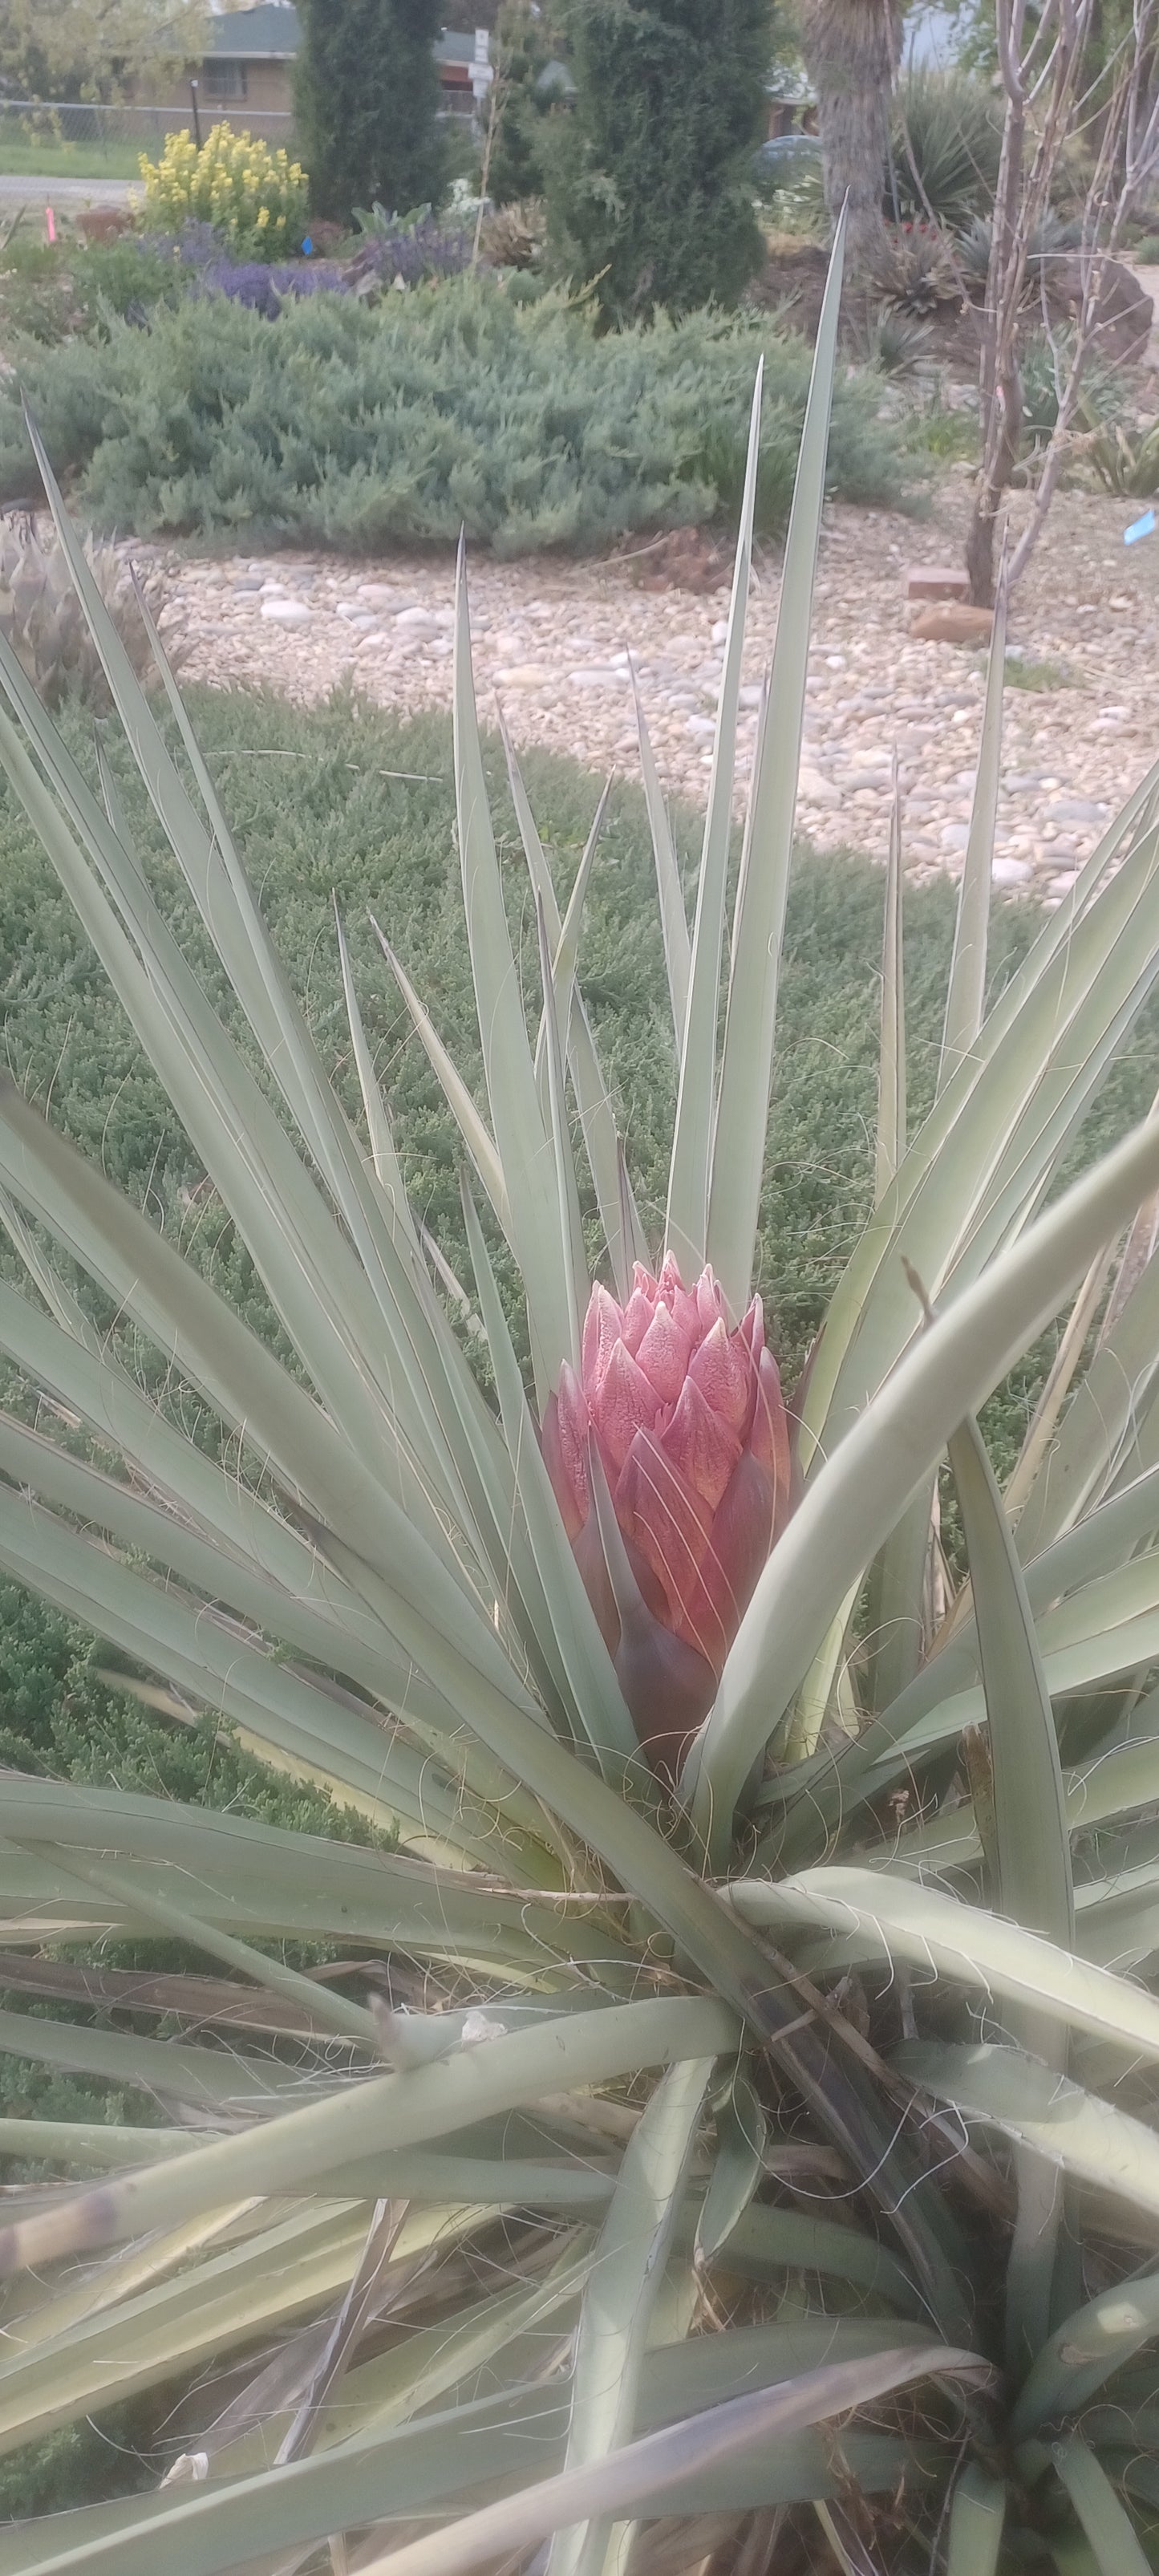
x,y
1042,72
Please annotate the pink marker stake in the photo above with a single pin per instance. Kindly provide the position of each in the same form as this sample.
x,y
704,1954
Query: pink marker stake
x,y
50,223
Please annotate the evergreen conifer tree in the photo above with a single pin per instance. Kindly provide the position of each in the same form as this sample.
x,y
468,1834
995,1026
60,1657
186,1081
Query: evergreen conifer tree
x,y
366,97
651,193
526,41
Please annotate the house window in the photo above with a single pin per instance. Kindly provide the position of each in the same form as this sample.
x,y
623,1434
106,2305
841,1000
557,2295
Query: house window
x,y
223,80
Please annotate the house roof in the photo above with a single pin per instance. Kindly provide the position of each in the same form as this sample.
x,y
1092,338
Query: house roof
x,y
454,49
271,33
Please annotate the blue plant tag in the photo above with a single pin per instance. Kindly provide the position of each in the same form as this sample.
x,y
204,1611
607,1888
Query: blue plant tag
x,y
1144,527
308,245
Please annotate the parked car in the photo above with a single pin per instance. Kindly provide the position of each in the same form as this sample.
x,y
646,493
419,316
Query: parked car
x,y
784,156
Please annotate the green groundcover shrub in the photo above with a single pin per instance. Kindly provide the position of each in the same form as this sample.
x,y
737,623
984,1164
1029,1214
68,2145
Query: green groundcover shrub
x,y
358,429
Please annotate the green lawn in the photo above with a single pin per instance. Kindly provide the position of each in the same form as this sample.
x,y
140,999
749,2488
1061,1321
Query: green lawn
x,y
32,160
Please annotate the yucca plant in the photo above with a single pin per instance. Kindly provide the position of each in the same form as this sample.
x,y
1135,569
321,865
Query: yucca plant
x,y
42,620
1126,461
721,2135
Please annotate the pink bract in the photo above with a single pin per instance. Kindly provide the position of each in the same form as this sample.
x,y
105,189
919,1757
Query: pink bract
x,y
690,1428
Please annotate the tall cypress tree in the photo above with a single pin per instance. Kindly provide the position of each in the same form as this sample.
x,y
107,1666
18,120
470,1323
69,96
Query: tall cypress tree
x,y
651,195
366,94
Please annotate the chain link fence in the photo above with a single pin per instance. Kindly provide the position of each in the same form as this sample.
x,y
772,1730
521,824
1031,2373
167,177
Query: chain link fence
x,y
54,125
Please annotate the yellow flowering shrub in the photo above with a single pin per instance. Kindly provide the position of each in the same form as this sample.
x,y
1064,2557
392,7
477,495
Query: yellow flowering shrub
x,y
253,197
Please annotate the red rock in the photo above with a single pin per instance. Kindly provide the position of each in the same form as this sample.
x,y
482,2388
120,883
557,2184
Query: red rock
x,y
953,623
937,581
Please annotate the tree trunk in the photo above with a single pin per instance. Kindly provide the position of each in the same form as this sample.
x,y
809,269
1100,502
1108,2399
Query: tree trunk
x,y
1000,383
851,50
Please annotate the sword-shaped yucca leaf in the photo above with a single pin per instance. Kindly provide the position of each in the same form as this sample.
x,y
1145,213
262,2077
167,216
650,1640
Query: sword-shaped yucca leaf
x,y
1040,1430
1107,1629
1087,1624
977,2514
388,1169
1023,1130
596,1700
673,918
966,996
65,1309
1108,2526
897,1580
98,2143
742,1107
738,2166
661,2464
623,1232
1031,1840
620,2296
298,2148
891,1080
790,2472
301,2263
1112,1782
865,1486
565,947
217,880
1031,1851
332,1631
1037,2108
429,2363
1084,2352
764,2242
443,2181
138,2286
331,2011
472,1128
732,1960
86,1378
387,1557
524,1148
571,1241
234,1129
200,2077
321,1294
419,2469
362,2301
49,2312
268,1883
867,1914
1081,979
1096,1431
386,1777
690,1169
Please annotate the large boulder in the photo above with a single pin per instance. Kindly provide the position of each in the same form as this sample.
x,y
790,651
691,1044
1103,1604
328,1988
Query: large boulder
x,y
1124,313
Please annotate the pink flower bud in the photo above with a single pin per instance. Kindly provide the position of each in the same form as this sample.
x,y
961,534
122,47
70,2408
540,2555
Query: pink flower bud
x,y
690,1428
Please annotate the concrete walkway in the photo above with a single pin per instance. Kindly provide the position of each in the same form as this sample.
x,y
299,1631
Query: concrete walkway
x,y
65,192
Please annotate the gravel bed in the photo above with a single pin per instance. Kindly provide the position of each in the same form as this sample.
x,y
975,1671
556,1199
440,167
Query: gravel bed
x,y
556,642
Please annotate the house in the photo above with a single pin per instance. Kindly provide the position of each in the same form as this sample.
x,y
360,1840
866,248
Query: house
x,y
792,105
248,70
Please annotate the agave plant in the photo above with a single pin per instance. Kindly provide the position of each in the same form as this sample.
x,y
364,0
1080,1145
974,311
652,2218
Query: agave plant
x,y
721,2132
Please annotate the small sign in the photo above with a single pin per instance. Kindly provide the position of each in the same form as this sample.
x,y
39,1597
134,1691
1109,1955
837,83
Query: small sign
x,y
1144,527
307,247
